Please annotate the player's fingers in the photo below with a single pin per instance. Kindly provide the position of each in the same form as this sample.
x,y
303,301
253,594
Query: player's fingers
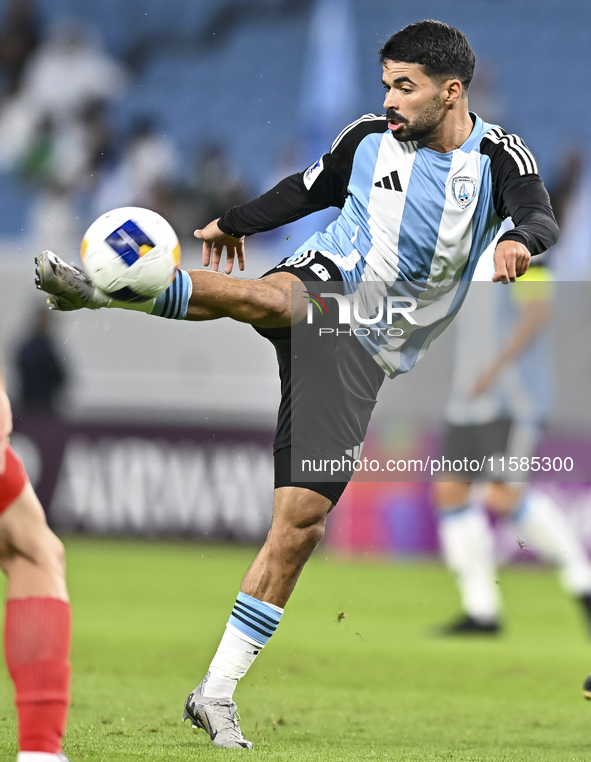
x,y
499,259
511,268
523,263
501,275
230,256
241,255
206,253
217,251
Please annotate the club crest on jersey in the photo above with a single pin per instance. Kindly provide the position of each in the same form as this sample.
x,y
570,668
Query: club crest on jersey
x,y
464,190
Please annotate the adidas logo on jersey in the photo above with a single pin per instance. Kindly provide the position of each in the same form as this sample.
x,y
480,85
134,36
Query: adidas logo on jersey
x,y
390,182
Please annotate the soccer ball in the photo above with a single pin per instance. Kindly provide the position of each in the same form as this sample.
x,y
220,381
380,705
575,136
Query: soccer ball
x,y
131,254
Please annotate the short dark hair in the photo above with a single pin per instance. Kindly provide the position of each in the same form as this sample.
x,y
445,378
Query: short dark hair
x,y
439,48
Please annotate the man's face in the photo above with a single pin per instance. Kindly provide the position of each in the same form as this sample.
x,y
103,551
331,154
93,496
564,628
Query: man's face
x,y
413,103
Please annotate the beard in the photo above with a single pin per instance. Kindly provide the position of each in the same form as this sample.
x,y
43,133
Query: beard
x,y
422,127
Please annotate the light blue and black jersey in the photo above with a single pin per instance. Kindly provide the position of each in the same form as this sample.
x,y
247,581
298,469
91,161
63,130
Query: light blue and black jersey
x,y
414,222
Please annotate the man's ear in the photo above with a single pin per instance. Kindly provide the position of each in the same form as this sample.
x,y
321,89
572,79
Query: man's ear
x,y
453,91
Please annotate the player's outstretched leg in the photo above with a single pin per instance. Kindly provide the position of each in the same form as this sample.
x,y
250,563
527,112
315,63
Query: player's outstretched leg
x,y
299,518
38,618
193,295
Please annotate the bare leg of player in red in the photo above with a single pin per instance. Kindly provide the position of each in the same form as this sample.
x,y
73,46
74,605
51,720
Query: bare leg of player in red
x,y
38,618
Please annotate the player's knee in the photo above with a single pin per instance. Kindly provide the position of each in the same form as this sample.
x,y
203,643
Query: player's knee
x,y
295,541
45,551
311,536
501,499
450,494
56,555
304,535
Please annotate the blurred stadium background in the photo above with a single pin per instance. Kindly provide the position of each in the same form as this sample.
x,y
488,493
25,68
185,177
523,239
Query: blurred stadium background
x,y
152,428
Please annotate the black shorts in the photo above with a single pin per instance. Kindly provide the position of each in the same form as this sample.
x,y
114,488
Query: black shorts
x,y
501,438
329,387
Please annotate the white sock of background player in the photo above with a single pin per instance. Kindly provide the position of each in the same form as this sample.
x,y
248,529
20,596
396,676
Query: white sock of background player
x,y
542,525
468,549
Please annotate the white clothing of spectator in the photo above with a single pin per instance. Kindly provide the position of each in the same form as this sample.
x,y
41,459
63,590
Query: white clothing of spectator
x,y
68,71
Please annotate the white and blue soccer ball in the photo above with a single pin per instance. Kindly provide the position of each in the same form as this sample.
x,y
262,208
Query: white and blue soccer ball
x,y
131,254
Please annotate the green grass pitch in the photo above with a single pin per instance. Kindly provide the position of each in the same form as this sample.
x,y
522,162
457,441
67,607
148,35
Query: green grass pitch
x,y
366,686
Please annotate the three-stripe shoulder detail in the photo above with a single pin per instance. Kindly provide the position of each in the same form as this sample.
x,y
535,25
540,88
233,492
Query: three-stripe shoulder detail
x,y
516,148
361,120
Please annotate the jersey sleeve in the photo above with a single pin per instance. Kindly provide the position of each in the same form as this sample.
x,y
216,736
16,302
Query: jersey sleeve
x,y
321,185
518,191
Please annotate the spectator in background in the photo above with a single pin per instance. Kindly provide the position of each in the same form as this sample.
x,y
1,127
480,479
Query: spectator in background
x,y
42,373
19,38
68,71
148,166
71,157
212,186
66,161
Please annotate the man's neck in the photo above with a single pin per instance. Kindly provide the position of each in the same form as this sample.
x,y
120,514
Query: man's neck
x,y
453,131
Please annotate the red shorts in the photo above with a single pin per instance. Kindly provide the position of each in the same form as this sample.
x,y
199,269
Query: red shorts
x,y
13,480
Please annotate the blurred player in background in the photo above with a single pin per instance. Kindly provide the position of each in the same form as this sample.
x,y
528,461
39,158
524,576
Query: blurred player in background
x,y
37,624
500,400
423,190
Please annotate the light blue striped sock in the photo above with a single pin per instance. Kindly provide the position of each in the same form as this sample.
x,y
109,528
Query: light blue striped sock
x,y
174,302
255,619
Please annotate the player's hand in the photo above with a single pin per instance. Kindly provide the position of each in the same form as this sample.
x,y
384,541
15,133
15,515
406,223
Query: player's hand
x,y
5,427
511,260
214,241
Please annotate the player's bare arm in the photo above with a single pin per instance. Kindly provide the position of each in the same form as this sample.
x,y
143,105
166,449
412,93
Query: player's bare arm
x,y
533,318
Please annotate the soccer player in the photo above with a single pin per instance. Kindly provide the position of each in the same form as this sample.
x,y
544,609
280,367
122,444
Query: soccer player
x,y
422,192
38,618
499,402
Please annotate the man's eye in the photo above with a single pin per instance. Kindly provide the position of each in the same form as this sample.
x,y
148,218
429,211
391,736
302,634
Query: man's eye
x,y
405,90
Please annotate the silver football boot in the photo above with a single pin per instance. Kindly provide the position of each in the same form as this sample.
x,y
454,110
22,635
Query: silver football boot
x,y
69,288
218,717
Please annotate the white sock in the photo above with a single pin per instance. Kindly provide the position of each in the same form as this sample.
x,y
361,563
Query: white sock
x,y
541,523
173,303
146,307
232,660
468,550
37,756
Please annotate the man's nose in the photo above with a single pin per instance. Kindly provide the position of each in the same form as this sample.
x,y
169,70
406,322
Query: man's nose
x,y
390,101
